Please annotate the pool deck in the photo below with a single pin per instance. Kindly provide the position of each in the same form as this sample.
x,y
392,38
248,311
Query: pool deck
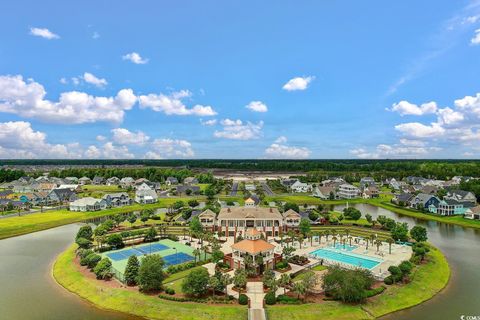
x,y
399,254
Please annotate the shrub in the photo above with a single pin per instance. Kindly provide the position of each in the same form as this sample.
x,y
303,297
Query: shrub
x,y
170,291
388,280
243,299
115,240
288,300
406,267
92,260
83,243
85,232
103,269
270,298
374,292
282,265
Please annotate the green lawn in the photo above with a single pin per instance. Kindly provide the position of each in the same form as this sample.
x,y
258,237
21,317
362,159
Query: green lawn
x,y
175,280
427,281
15,226
134,302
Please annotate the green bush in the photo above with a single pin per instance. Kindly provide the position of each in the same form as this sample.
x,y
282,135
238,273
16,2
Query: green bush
x,y
92,260
282,265
288,300
388,280
83,243
374,292
243,299
270,298
103,269
170,291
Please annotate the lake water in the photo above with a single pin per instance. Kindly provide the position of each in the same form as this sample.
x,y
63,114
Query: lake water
x,y
27,290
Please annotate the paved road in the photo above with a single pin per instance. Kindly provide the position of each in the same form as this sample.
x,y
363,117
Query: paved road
x,y
234,189
267,189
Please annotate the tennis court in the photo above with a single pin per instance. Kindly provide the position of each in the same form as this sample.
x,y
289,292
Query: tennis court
x,y
171,251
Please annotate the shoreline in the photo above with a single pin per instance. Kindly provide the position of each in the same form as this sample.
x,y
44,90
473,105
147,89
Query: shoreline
x,y
96,293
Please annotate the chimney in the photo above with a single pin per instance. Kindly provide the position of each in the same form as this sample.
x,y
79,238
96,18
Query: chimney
x,y
228,209
271,210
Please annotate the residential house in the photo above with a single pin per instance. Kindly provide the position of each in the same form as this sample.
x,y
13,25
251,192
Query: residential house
x,y
428,189
253,201
127,182
473,213
403,199
8,205
190,180
71,180
84,180
61,196
287,183
46,186
424,201
366,181
141,181
325,193
449,207
6,194
73,187
394,184
171,181
88,204
348,191
187,189
461,196
36,198
97,180
21,187
113,181
119,199
370,192
250,187
333,182
301,187
145,194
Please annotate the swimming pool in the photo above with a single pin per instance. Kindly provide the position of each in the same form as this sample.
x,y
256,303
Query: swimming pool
x,y
348,258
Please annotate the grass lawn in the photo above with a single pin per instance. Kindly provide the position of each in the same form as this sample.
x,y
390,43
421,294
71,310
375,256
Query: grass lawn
x,y
134,302
175,280
15,226
427,280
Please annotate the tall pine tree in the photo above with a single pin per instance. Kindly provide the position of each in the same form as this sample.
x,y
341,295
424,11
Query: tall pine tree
x,y
131,271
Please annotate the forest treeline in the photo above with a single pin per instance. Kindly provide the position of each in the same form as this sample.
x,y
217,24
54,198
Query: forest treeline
x,y
353,170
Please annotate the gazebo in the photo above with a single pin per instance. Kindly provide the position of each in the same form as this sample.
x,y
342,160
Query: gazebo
x,y
257,248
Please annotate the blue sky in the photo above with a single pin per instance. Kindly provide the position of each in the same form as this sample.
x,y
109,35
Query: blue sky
x,y
240,79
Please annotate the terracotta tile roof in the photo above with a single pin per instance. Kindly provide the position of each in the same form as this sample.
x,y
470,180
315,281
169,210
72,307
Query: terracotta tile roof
x,y
253,246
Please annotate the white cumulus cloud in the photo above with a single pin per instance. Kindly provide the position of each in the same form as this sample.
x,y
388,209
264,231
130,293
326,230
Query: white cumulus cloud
x,y
27,99
257,106
298,83
237,130
172,104
476,38
124,136
92,79
135,58
279,150
44,33
170,148
407,108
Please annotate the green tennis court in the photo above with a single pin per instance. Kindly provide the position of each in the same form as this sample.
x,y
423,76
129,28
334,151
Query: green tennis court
x,y
172,252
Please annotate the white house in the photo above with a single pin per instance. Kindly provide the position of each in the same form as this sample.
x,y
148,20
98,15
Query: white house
x,y
301,187
88,204
145,194
348,191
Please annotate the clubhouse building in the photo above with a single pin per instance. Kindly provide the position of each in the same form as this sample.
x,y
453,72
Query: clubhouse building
x,y
236,221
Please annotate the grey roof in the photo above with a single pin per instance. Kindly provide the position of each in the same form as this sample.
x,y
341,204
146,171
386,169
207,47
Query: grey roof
x,y
404,197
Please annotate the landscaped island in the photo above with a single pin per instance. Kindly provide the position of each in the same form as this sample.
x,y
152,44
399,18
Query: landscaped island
x,y
288,267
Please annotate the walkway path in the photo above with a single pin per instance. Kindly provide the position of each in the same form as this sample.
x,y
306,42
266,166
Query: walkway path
x,y
256,295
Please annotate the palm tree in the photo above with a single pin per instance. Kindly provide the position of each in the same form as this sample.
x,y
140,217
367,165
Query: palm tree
x,y
378,243
390,241
350,240
366,241
334,241
300,240
196,253
184,230
310,235
284,281
326,233
372,238
319,235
